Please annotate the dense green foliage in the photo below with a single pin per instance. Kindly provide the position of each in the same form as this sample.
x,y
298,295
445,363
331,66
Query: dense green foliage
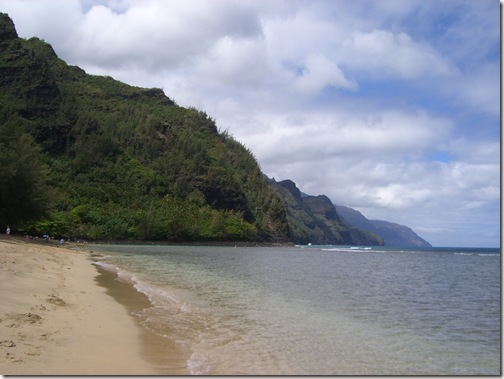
x,y
112,161
24,193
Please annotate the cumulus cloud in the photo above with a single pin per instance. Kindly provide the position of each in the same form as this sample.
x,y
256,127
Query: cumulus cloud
x,y
285,139
384,53
478,90
318,73
234,63
51,21
154,34
389,106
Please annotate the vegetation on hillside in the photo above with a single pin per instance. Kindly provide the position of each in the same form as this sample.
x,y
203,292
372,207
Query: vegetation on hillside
x,y
89,157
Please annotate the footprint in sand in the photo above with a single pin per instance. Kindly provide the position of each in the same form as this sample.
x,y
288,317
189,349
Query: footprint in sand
x,y
23,318
7,343
39,307
53,299
13,358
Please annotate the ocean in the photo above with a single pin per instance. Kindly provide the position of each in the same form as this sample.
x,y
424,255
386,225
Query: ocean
x,y
319,310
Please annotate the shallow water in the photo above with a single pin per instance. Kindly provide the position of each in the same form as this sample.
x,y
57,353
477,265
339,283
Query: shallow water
x,y
320,310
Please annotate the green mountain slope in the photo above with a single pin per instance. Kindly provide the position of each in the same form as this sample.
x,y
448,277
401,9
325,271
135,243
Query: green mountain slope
x,y
314,219
113,161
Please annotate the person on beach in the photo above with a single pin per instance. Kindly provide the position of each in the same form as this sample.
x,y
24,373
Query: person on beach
x,y
7,231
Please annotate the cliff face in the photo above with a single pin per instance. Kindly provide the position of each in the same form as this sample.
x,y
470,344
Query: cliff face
x,y
25,75
314,219
7,30
393,234
127,162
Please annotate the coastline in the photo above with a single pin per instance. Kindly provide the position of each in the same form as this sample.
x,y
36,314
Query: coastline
x,y
58,317
162,354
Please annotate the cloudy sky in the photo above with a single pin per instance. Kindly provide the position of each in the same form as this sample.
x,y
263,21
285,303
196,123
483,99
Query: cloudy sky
x,y
391,107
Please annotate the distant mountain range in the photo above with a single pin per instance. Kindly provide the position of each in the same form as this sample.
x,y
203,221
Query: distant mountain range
x,y
316,220
393,234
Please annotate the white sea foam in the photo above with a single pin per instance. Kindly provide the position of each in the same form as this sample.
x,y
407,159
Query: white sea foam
x,y
479,255
106,266
198,364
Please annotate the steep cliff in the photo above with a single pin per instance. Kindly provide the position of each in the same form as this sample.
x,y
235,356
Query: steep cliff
x,y
314,219
126,162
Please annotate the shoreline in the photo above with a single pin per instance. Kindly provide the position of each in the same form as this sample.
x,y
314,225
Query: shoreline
x,y
61,316
185,243
164,356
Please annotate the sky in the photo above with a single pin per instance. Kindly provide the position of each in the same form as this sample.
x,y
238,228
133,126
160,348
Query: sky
x,y
390,107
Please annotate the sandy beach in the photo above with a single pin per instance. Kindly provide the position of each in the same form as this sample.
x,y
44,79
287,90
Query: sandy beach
x,y
57,319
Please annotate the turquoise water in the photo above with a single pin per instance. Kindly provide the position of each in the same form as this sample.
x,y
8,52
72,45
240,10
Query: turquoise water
x,y
320,310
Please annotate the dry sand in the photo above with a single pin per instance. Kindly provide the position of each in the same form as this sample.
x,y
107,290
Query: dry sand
x,y
56,320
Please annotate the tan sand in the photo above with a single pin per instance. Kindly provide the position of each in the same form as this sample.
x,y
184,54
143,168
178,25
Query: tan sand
x,y
56,320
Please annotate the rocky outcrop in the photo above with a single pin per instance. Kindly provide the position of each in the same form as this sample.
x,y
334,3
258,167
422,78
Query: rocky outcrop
x,y
25,74
7,30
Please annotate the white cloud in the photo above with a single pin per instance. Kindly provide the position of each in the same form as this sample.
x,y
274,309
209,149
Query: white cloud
x,y
234,63
381,52
155,34
52,21
479,89
347,98
319,73
485,151
284,139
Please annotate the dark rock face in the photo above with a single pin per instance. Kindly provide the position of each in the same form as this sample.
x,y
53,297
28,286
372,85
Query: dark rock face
x,y
7,29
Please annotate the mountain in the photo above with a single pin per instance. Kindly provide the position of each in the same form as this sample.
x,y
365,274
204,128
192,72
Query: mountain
x,y
87,156
314,219
393,234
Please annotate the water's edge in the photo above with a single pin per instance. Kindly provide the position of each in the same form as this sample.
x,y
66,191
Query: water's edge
x,y
240,310
161,353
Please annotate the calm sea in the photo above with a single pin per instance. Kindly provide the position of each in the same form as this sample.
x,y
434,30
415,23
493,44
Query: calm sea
x,y
320,310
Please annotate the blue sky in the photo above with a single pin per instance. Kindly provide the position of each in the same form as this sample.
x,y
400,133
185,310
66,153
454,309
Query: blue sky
x,y
391,107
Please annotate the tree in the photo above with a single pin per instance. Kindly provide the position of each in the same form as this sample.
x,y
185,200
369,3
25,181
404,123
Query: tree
x,y
24,192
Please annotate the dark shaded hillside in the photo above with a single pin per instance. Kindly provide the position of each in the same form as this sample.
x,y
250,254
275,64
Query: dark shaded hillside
x,y
314,219
122,162
393,234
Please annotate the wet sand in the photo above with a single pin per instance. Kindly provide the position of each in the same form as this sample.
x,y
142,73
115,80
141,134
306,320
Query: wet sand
x,y
60,315
164,355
